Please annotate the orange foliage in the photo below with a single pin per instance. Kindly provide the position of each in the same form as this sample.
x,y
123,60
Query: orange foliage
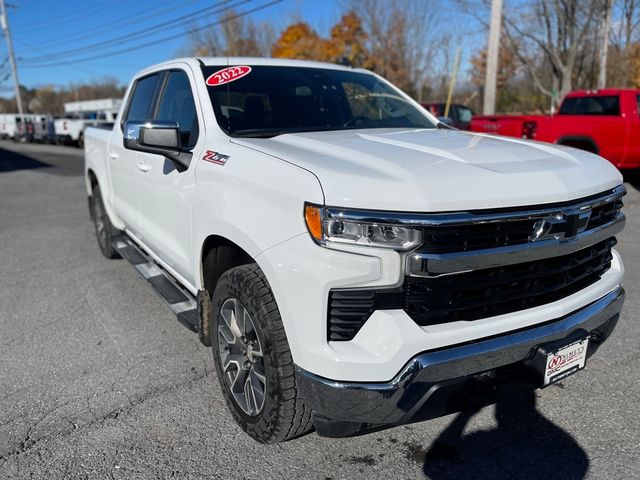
x,y
346,42
299,41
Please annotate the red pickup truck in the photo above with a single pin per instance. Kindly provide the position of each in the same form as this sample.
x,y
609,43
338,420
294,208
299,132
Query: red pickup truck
x,y
606,122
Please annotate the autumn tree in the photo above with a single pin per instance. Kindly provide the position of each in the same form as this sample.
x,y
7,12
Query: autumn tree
x,y
347,42
300,41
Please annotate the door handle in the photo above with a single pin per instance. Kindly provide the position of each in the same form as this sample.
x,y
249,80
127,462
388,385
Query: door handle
x,y
113,156
143,167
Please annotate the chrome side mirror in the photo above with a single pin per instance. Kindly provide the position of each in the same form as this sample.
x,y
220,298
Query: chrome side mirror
x,y
157,137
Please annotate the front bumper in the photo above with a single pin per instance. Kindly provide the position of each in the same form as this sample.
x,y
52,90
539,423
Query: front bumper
x,y
435,383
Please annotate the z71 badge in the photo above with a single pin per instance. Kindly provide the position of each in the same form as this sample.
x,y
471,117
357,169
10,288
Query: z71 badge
x,y
215,157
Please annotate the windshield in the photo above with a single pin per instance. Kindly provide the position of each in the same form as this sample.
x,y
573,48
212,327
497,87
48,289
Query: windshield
x,y
265,101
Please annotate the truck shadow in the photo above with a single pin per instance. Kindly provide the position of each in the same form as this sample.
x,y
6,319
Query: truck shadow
x,y
524,445
11,161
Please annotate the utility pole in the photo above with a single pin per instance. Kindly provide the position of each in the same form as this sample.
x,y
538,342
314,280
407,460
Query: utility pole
x,y
493,47
454,74
4,22
605,27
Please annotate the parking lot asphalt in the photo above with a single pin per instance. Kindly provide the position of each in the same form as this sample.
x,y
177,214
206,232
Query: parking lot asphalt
x,y
99,380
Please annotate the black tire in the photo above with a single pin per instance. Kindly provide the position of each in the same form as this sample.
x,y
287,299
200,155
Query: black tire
x,y
80,142
103,227
283,414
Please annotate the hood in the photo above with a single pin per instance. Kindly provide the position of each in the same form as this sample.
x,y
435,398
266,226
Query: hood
x,y
439,170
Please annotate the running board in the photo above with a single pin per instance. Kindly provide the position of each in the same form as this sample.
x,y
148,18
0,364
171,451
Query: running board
x,y
180,300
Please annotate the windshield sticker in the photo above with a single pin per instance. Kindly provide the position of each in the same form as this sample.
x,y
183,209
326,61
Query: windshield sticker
x,y
227,75
215,157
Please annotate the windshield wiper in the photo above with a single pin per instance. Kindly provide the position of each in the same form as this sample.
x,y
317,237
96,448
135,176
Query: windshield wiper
x,y
274,132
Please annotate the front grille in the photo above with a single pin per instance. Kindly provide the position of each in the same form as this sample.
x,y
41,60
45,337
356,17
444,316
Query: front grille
x,y
496,291
472,295
478,236
463,238
604,214
467,265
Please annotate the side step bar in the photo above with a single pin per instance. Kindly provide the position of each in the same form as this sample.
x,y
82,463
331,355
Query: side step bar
x,y
180,300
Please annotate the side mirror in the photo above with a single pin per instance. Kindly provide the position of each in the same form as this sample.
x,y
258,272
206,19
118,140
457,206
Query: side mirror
x,y
160,138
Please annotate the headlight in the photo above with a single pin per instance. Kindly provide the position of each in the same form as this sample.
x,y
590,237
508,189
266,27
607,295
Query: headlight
x,y
334,227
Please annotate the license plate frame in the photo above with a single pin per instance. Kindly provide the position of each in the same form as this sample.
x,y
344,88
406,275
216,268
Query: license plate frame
x,y
561,362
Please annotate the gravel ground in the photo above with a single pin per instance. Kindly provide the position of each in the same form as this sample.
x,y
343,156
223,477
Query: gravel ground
x,y
98,379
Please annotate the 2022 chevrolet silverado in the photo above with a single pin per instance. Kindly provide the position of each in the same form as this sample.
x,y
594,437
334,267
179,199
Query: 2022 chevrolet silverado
x,y
352,262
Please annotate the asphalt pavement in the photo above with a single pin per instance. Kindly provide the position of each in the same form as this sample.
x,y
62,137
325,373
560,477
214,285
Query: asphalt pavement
x,y
99,380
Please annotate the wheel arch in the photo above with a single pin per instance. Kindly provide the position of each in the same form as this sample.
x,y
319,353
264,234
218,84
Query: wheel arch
x,y
217,255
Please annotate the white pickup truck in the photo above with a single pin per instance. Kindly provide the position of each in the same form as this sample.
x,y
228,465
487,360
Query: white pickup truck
x,y
353,262
69,129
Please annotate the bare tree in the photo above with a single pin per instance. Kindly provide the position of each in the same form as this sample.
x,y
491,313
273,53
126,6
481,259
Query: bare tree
x,y
554,32
403,38
233,36
628,25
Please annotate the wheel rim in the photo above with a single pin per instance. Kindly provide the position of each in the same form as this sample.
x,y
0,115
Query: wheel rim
x,y
101,229
241,358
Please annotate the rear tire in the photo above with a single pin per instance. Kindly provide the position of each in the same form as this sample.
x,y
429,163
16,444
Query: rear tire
x,y
252,358
103,227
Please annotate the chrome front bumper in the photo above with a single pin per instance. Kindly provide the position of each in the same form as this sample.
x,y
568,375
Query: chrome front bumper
x,y
428,386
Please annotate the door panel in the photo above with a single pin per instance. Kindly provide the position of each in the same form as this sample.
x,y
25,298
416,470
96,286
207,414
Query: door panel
x,y
122,162
166,194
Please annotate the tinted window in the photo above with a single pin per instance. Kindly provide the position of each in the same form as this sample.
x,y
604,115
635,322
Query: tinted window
x,y
596,105
464,114
142,98
274,100
177,105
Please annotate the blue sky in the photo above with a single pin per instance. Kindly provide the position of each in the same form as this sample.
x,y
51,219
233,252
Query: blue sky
x,y
43,30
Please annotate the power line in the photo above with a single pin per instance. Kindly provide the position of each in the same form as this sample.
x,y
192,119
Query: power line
x,y
166,25
49,54
78,15
168,38
109,28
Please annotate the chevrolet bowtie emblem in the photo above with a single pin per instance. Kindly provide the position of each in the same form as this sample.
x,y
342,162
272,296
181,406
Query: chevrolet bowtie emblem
x,y
560,226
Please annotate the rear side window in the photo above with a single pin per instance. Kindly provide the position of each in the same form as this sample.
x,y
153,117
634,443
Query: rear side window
x,y
595,105
464,114
142,98
177,105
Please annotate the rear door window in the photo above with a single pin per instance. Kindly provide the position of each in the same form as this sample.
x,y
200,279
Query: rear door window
x,y
605,105
141,104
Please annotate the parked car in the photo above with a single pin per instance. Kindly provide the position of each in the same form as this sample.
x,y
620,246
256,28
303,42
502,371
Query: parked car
x,y
460,115
605,122
353,263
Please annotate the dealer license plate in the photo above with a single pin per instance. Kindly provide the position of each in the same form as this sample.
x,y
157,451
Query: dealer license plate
x,y
565,361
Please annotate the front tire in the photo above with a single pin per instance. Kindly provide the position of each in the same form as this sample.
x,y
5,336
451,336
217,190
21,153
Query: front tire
x,y
105,231
252,358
